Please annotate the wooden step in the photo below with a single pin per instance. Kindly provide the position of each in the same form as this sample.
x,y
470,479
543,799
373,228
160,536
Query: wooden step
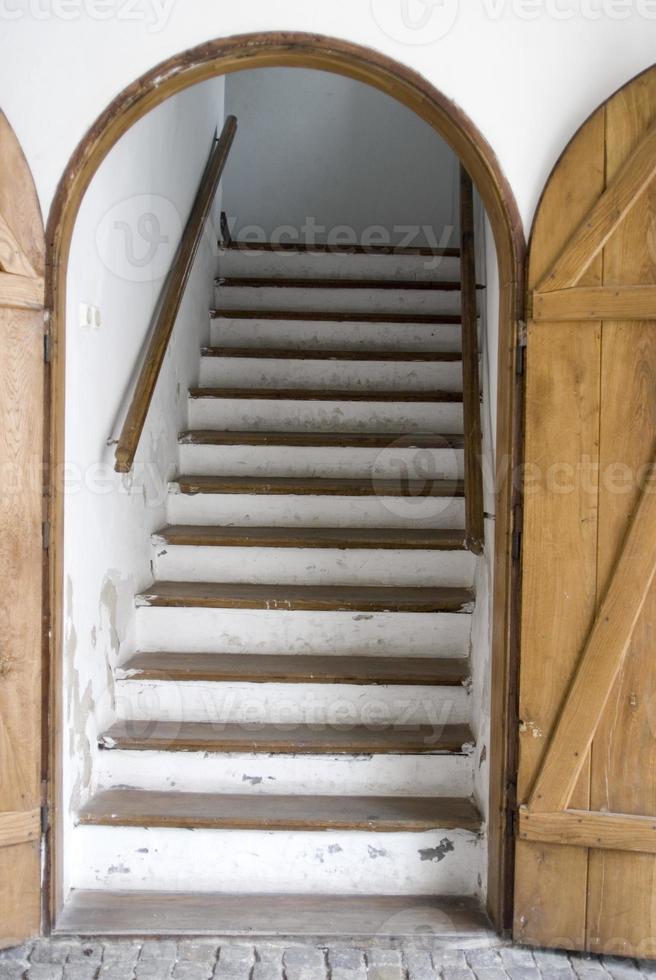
x,y
327,394
318,486
281,282
326,598
336,316
191,736
371,918
199,535
318,354
320,248
357,440
299,668
380,814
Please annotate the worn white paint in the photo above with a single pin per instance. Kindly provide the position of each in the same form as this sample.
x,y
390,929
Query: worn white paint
x,y
388,463
330,862
447,862
201,772
271,372
351,299
281,631
313,566
109,518
375,511
330,263
351,336
332,415
290,704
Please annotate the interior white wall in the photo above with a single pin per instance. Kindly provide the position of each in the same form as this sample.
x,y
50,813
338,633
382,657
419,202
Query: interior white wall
x,y
108,517
320,154
527,73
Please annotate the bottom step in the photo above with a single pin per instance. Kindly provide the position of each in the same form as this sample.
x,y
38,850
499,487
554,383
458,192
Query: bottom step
x,y
149,913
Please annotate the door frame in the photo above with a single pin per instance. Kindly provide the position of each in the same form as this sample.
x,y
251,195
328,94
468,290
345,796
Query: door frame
x,y
223,56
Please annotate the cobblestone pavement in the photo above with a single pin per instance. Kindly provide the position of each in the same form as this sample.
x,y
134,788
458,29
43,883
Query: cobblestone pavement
x,y
197,959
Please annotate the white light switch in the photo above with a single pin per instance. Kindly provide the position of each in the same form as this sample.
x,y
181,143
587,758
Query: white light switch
x,y
89,316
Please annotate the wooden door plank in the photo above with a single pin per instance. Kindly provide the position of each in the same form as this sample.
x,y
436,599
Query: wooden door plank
x,y
20,292
13,259
560,536
19,826
588,828
21,555
625,185
600,663
20,893
628,302
621,911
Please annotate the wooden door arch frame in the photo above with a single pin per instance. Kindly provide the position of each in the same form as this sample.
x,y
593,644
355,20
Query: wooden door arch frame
x,y
223,56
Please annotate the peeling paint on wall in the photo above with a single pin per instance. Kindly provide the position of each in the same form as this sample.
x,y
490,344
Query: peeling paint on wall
x,y
436,853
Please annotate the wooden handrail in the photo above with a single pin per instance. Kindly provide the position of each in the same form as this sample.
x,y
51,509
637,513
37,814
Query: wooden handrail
x,y
170,299
471,399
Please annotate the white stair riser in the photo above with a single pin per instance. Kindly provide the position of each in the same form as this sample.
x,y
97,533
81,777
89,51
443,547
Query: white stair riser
x,y
325,416
387,463
312,566
290,704
200,772
251,372
340,300
330,334
350,863
314,265
289,510
281,631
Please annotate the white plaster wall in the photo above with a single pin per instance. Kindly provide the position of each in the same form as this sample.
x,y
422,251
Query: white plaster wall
x,y
527,72
108,518
321,154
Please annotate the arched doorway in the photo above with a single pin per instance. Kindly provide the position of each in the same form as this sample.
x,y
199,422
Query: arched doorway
x,y
289,50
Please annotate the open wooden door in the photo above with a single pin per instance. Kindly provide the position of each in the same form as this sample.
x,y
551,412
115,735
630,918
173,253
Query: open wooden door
x,y
586,849
21,536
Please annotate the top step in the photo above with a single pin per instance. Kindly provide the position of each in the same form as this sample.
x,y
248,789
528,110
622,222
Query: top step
x,y
325,248
341,282
381,262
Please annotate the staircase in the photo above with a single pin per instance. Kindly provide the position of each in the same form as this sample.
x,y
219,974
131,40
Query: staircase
x,y
296,720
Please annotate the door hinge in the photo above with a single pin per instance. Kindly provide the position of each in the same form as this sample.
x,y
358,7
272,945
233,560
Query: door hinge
x,y
520,360
46,348
44,819
45,529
